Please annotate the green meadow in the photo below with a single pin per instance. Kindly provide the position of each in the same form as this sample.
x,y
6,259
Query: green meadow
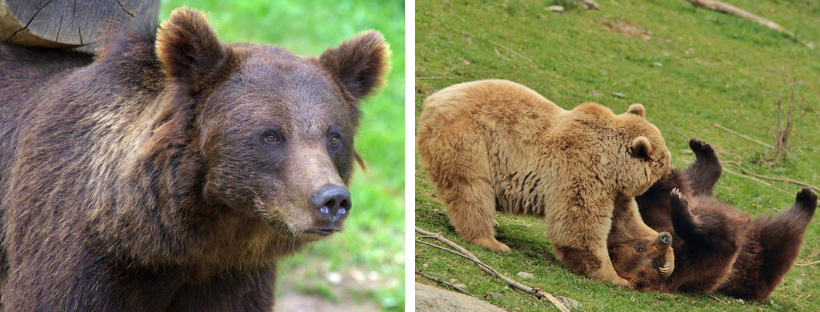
x,y
691,68
362,267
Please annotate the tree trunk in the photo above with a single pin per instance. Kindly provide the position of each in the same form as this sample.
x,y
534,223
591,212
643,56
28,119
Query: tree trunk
x,y
70,23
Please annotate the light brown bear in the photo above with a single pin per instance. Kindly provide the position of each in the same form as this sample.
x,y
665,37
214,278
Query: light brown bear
x,y
497,145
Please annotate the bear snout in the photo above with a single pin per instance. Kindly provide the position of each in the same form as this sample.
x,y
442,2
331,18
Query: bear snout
x,y
664,238
333,204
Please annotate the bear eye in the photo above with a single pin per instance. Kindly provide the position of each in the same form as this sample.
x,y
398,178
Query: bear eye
x,y
272,137
640,249
335,140
654,263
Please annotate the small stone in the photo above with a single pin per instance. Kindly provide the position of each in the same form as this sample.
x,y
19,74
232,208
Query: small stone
x,y
425,265
619,95
571,304
334,278
556,8
525,275
494,295
657,64
595,94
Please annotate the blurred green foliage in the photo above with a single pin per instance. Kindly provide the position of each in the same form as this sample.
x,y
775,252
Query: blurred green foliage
x,y
373,240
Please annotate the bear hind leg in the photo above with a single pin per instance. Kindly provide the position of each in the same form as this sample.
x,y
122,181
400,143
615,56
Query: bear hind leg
x,y
781,239
471,207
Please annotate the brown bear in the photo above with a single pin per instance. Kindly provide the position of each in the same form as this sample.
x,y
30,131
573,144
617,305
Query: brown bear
x,y
718,248
181,168
495,145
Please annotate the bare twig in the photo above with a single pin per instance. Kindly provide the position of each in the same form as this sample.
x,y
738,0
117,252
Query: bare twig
x,y
511,50
433,78
807,264
718,299
537,292
782,180
742,135
440,281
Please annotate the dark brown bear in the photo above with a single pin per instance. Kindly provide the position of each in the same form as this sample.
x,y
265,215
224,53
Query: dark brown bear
x,y
718,248
171,172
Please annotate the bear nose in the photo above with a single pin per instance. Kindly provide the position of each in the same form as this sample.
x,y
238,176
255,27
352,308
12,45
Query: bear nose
x,y
332,202
665,238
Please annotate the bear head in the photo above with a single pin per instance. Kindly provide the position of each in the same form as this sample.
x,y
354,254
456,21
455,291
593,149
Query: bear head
x,y
645,262
649,157
271,133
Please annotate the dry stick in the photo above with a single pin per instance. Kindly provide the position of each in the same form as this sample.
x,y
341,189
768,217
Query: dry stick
x,y
440,281
807,264
783,180
758,181
511,50
537,292
730,9
742,135
433,78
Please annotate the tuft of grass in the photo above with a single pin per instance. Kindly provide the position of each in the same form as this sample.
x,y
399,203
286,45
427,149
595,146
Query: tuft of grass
x,y
690,67
372,243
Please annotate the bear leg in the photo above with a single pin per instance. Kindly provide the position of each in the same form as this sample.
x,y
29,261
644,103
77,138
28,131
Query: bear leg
x,y
706,170
471,210
627,224
781,239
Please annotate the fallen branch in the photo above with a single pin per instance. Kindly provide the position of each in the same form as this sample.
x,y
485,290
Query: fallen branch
x,y
807,264
756,180
730,9
537,292
440,281
782,180
433,78
742,135
511,50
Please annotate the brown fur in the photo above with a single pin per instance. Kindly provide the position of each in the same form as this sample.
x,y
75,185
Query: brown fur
x,y
143,181
718,248
497,145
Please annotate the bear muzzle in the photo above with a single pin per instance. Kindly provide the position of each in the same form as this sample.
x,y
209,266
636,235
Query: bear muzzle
x,y
333,204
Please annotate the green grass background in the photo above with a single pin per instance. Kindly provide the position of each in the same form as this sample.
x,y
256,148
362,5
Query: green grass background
x,y
690,67
373,241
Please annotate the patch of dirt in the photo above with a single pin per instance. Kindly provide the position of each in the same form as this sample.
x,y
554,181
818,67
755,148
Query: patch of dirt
x,y
627,27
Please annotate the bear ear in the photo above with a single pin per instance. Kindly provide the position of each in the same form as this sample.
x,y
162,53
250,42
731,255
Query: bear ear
x,y
359,64
641,148
637,109
187,47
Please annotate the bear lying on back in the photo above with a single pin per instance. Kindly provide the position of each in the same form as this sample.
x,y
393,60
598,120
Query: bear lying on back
x,y
172,172
497,145
718,248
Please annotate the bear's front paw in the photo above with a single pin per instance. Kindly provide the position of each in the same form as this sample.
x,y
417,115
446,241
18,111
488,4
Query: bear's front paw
x,y
678,200
492,244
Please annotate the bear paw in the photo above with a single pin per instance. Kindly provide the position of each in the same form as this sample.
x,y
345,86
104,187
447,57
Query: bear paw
x,y
492,244
678,200
807,199
702,149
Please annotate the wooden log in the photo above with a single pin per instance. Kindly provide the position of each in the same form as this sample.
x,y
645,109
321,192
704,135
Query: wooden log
x,y
70,23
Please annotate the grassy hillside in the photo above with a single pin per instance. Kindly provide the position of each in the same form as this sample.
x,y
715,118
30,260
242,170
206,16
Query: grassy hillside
x,y
692,68
361,268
